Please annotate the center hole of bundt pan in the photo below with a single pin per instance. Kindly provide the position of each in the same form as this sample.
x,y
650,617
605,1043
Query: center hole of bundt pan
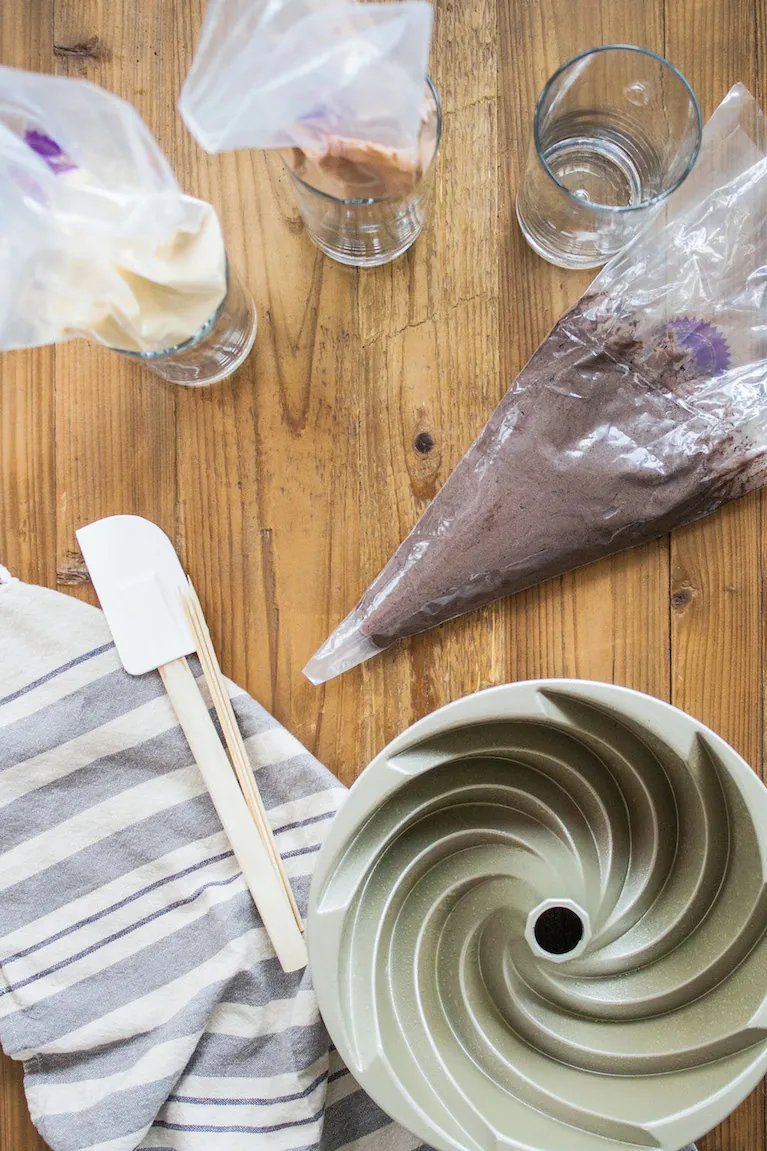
x,y
558,930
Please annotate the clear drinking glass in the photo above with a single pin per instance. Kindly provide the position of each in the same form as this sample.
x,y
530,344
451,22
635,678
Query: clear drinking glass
x,y
616,130
217,350
367,230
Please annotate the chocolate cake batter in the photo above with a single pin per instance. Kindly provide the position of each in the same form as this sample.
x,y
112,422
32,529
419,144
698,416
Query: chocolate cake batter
x,y
356,169
605,440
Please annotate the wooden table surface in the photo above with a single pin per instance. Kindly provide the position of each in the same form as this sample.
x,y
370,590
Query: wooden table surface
x,y
287,488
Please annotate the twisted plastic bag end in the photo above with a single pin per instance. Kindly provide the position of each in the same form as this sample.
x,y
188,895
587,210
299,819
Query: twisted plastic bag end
x,y
344,649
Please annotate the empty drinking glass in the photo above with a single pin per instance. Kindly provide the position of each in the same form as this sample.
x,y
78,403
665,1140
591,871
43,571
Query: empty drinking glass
x,y
616,130
364,204
217,350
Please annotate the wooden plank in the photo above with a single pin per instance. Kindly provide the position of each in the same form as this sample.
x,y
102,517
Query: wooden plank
x,y
115,443
268,533
27,476
267,462
428,327
16,1130
581,624
716,565
27,482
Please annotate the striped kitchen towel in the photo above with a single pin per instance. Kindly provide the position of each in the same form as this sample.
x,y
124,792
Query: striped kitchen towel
x,y
136,981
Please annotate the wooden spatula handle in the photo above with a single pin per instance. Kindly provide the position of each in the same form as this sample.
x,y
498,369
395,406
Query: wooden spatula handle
x,y
257,867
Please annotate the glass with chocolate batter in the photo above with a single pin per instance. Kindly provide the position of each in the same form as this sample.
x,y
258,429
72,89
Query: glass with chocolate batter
x,y
364,204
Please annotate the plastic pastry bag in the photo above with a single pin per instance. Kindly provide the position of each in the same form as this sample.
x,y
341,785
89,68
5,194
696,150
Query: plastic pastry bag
x,y
340,83
644,408
96,237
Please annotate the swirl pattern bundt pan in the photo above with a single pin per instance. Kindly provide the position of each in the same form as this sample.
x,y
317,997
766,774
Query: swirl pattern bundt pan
x,y
538,922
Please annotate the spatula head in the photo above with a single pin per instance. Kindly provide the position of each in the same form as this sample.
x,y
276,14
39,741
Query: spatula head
x,y
138,579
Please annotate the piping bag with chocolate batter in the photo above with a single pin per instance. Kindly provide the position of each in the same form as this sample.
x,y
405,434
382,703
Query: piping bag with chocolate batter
x,y
337,86
644,409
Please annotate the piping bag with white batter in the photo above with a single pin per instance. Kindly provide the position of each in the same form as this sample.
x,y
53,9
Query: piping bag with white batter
x,y
97,238
338,86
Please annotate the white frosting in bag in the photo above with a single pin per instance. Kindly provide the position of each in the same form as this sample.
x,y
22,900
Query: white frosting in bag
x,y
141,296
97,238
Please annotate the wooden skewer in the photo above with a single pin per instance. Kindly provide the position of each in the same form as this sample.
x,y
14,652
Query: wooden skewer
x,y
258,870
233,736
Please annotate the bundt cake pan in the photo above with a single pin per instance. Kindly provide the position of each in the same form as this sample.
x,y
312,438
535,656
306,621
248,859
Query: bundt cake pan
x,y
538,922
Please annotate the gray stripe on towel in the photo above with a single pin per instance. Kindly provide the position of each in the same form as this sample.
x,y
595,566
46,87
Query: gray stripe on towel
x,y
147,970
122,1113
57,671
294,1049
95,782
351,1118
87,708
87,870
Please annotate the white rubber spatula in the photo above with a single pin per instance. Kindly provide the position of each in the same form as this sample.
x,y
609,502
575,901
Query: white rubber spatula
x,y
140,583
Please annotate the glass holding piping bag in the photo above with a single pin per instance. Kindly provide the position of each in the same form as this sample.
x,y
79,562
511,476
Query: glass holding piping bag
x,y
98,241
216,350
365,205
338,89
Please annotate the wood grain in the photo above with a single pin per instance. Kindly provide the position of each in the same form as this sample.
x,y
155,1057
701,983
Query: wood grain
x,y
115,424
27,482
27,462
287,488
716,566
581,624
